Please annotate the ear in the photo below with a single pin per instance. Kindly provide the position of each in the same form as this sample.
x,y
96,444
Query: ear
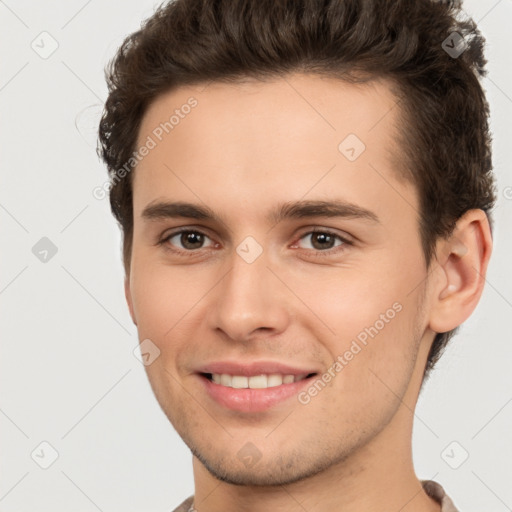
x,y
462,261
128,296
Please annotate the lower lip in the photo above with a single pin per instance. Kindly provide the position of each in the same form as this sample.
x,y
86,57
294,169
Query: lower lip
x,y
252,400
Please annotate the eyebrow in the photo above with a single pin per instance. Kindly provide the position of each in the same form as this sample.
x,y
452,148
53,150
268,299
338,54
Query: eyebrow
x,y
283,211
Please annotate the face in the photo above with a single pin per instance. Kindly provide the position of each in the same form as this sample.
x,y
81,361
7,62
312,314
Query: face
x,y
268,271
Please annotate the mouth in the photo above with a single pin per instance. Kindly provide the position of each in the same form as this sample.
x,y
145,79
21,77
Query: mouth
x,y
261,381
254,393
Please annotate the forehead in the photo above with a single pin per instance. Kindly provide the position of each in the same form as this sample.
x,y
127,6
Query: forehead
x,y
277,136
295,105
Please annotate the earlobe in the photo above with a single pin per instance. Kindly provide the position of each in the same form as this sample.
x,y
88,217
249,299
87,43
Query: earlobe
x,y
128,296
463,269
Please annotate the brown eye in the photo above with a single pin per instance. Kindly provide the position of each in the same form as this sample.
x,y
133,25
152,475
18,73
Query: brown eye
x,y
186,240
191,239
323,240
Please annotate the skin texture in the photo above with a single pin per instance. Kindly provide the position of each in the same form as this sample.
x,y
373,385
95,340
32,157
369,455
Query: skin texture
x,y
242,150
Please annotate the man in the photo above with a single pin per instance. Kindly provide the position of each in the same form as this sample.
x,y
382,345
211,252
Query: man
x,y
304,190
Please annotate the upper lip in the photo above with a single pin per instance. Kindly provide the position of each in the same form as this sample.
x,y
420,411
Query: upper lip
x,y
253,368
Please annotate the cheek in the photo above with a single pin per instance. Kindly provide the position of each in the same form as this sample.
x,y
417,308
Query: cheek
x,y
368,322
162,298
165,301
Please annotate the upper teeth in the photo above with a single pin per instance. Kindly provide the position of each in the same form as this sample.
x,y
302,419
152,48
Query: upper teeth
x,y
256,381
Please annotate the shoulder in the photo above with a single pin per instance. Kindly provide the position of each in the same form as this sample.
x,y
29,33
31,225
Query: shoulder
x,y
436,491
184,506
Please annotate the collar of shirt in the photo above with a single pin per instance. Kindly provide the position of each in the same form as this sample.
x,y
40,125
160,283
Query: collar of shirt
x,y
432,488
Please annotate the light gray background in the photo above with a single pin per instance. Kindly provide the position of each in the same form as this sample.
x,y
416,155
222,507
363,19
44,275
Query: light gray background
x,y
68,375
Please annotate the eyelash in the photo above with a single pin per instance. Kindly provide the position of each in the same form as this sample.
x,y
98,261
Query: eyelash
x,y
315,252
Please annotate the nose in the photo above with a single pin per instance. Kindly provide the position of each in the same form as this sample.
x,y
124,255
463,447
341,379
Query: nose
x,y
250,298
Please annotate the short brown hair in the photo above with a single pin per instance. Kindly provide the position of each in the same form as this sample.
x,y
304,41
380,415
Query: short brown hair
x,y
445,139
